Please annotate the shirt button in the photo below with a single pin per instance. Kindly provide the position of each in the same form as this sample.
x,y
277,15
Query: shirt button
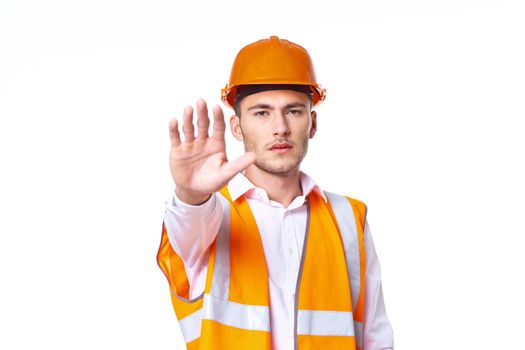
x,y
290,251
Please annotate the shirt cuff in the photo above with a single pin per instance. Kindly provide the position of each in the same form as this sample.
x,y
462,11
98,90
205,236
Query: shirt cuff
x,y
180,208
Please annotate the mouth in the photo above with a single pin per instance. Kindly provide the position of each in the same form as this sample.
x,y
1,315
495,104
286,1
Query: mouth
x,y
280,147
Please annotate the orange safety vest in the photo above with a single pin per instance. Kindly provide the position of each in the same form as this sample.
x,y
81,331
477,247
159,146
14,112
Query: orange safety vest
x,y
233,313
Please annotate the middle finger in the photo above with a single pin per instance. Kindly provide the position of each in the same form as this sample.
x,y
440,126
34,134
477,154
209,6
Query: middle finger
x,y
203,122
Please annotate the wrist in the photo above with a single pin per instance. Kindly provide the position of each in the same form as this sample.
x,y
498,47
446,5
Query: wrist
x,y
191,197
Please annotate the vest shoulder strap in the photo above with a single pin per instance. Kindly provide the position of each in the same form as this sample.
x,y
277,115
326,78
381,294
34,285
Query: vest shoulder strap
x,y
350,217
224,191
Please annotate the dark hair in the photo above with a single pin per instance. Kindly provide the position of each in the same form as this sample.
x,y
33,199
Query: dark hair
x,y
246,90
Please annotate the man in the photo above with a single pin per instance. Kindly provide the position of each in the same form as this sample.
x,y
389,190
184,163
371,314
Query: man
x,y
256,254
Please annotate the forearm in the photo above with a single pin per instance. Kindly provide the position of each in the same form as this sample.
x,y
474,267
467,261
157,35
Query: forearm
x,y
378,334
192,228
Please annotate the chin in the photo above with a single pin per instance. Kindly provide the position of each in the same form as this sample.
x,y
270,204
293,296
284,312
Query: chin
x,y
277,167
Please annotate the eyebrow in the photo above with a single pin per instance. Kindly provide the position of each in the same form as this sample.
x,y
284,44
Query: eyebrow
x,y
295,105
267,106
260,106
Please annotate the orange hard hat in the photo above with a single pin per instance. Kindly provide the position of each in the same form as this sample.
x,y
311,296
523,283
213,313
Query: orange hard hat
x,y
272,61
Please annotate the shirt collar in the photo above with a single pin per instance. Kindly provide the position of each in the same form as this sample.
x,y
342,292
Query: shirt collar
x,y
240,185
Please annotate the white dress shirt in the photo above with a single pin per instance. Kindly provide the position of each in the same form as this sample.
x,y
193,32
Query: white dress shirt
x,y
192,229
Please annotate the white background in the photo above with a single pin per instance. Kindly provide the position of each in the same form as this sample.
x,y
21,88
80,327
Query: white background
x,y
423,122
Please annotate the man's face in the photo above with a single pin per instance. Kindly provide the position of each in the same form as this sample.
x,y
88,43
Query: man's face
x,y
276,125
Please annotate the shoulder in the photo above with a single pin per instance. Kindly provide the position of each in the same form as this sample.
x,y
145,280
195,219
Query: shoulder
x,y
335,199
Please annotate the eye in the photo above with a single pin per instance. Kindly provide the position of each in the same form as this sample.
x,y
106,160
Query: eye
x,y
261,113
295,112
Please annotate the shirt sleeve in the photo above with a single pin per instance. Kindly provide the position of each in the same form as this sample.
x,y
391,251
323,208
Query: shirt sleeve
x,y
378,333
191,231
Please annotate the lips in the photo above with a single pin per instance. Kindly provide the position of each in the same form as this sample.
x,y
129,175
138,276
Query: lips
x,y
280,146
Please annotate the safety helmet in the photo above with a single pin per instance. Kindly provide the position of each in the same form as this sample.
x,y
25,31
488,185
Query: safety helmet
x,y
272,61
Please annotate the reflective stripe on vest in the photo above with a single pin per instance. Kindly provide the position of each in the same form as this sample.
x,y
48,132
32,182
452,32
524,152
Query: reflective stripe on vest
x,y
351,228
234,312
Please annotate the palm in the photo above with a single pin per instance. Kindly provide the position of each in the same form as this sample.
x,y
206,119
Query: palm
x,y
199,164
196,165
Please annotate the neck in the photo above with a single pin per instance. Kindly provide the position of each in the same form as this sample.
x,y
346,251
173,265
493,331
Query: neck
x,y
282,188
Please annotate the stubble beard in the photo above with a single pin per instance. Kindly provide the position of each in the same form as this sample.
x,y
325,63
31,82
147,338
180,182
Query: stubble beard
x,y
281,166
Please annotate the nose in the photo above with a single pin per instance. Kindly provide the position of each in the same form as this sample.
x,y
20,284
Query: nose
x,y
280,125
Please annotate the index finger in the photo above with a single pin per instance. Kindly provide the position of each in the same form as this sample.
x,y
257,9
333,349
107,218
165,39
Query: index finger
x,y
219,126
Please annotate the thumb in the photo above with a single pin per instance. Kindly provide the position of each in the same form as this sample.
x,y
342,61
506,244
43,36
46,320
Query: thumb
x,y
230,169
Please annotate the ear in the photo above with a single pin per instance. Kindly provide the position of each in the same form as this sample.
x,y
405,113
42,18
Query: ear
x,y
313,127
235,126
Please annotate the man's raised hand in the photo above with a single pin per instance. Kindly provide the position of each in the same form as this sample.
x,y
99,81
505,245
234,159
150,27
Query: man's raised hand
x,y
199,165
